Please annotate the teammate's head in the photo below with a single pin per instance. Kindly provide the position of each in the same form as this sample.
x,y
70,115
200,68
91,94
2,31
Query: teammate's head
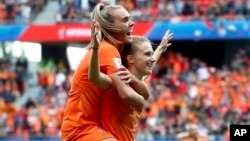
x,y
115,23
138,57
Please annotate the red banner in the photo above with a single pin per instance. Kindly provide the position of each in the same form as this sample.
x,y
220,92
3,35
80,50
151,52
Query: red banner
x,y
57,33
142,28
69,32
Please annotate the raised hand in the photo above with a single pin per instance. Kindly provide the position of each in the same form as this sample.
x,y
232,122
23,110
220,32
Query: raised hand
x,y
165,41
163,45
95,34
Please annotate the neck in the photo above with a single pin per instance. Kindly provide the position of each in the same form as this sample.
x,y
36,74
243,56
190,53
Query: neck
x,y
118,46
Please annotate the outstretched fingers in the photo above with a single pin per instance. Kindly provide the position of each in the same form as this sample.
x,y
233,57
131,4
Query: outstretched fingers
x,y
166,38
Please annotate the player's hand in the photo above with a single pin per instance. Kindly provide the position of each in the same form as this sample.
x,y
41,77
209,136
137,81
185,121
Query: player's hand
x,y
165,41
125,75
95,34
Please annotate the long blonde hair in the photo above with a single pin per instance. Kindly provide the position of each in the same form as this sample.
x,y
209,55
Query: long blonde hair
x,y
102,15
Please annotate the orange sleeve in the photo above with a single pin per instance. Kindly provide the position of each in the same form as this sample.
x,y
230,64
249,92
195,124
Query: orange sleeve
x,y
110,59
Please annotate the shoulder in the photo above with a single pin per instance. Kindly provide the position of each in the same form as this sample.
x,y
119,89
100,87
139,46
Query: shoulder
x,y
105,46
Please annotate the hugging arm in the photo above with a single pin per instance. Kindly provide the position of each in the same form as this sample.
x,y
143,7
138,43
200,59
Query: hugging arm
x,y
102,80
126,92
138,85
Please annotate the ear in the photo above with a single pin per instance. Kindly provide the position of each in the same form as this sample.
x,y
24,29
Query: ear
x,y
130,59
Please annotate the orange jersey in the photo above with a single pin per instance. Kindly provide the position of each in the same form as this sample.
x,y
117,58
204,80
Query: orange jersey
x,y
84,100
118,117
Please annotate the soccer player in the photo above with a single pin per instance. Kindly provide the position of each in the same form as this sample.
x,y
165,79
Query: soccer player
x,y
120,111
82,113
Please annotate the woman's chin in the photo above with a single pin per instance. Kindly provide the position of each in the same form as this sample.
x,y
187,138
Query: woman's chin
x,y
129,39
149,72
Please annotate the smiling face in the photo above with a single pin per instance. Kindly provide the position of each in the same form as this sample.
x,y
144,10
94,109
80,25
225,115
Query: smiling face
x,y
142,60
122,20
138,57
115,23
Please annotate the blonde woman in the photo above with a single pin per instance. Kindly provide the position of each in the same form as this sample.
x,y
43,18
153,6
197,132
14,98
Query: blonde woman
x,y
81,120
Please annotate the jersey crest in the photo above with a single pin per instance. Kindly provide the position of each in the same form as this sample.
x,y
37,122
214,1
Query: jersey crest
x,y
118,62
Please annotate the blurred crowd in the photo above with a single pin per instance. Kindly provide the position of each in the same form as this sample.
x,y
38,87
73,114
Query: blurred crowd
x,y
12,87
186,92
161,10
20,11
24,11
41,115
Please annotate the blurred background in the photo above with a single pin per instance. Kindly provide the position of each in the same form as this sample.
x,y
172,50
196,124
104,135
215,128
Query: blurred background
x,y
201,83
